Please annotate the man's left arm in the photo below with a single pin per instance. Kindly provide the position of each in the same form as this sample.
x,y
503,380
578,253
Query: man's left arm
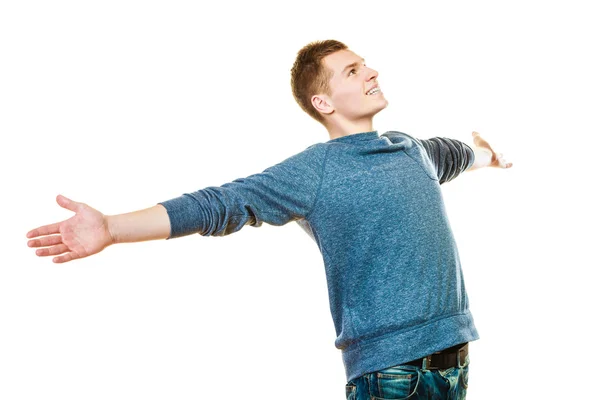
x,y
451,157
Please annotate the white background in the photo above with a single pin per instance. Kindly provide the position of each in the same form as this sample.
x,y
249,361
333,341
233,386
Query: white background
x,y
122,104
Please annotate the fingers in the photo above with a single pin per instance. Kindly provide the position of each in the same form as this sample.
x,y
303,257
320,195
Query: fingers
x,y
55,250
56,247
65,258
52,251
497,159
54,228
479,141
502,162
45,241
44,230
67,203
477,137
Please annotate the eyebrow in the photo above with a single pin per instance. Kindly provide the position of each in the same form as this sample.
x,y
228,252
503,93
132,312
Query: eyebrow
x,y
354,64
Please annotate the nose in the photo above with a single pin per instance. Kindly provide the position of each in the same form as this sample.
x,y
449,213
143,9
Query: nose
x,y
371,74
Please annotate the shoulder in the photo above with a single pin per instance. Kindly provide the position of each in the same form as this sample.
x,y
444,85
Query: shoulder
x,y
311,157
399,137
313,152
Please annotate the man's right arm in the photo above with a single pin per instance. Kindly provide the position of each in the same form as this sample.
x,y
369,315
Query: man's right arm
x,y
282,193
89,231
279,194
138,226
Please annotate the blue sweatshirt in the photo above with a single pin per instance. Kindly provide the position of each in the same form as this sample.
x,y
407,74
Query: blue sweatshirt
x,y
373,205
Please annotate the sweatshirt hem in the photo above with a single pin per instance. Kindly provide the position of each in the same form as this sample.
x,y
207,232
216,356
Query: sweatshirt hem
x,y
403,346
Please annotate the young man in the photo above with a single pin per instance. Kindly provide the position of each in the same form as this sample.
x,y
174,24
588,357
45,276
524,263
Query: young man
x,y
373,205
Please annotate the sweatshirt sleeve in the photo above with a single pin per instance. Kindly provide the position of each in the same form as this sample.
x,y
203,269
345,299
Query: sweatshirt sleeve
x,y
282,193
450,157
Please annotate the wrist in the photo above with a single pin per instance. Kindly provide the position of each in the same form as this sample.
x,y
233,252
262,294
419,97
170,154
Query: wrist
x,y
112,228
483,157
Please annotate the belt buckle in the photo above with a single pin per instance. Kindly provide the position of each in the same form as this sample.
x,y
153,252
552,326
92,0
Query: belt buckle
x,y
462,356
427,362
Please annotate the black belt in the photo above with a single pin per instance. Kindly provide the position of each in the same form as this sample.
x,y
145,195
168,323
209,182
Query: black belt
x,y
450,357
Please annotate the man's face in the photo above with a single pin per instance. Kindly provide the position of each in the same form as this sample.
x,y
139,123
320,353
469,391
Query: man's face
x,y
351,86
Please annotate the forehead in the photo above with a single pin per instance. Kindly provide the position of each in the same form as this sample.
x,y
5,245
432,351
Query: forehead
x,y
339,60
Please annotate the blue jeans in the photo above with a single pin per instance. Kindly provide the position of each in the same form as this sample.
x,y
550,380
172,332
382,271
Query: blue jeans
x,y
411,382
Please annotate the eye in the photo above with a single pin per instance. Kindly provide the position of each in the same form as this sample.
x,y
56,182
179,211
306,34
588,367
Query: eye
x,y
353,70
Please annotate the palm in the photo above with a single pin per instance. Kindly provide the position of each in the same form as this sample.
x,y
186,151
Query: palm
x,y
85,233
80,236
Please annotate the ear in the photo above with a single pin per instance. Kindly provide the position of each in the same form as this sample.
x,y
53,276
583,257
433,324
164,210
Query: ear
x,y
322,103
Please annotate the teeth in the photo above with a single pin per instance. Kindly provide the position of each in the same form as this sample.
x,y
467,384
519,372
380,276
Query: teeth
x,y
375,90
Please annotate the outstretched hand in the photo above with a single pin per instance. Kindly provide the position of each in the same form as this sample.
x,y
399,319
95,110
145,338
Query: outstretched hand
x,y
84,234
497,159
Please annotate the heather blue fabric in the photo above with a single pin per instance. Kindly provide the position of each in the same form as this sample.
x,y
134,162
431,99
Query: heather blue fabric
x,y
373,205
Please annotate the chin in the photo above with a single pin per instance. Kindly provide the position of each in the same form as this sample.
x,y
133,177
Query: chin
x,y
382,107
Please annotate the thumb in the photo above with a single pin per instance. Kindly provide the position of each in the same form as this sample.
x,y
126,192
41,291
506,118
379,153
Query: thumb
x,y
67,203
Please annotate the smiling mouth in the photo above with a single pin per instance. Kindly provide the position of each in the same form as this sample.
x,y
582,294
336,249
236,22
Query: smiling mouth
x,y
373,91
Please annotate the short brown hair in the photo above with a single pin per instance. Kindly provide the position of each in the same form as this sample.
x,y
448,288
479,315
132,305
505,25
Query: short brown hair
x,y
310,76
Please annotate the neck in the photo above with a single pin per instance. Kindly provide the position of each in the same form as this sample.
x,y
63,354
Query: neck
x,y
338,129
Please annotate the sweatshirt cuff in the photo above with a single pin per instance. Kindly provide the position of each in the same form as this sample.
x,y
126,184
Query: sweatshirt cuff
x,y
470,156
185,215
